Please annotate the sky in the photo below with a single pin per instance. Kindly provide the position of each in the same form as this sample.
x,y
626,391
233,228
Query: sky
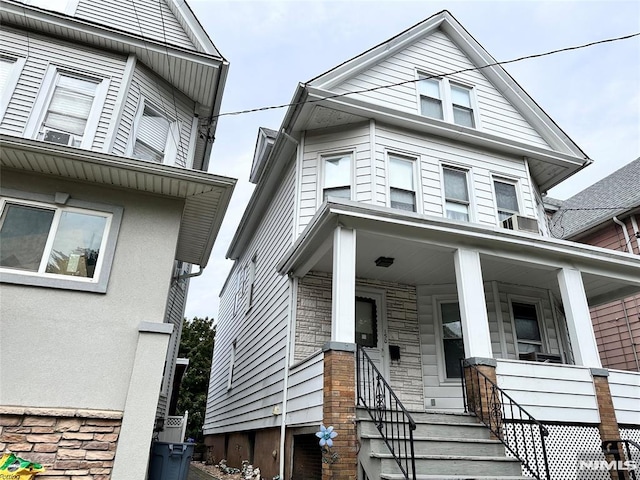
x,y
593,94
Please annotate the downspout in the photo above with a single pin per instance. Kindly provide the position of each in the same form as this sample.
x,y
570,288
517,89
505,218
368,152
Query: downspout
x,y
625,233
293,300
177,278
636,231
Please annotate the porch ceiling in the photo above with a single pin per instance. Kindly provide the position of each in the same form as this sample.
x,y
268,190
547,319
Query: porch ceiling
x,y
423,252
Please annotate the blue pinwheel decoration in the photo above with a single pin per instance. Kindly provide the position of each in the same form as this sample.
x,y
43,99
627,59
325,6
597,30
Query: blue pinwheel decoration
x,y
326,436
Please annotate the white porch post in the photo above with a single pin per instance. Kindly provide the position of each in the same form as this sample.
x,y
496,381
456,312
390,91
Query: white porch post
x,y
576,309
473,306
343,307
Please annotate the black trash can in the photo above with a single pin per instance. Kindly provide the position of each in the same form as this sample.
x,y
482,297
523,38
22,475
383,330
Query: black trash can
x,y
170,461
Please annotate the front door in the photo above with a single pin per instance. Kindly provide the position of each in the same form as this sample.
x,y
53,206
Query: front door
x,y
371,328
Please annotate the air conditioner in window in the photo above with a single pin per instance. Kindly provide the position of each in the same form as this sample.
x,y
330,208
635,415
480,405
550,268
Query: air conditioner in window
x,y
56,136
541,357
521,224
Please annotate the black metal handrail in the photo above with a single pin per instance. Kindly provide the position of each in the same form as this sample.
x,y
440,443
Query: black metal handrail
x,y
495,409
626,468
391,418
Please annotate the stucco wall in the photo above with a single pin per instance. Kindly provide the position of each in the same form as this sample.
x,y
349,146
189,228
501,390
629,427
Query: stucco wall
x,y
86,342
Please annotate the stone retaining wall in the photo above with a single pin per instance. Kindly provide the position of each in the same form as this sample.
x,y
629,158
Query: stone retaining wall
x,y
70,444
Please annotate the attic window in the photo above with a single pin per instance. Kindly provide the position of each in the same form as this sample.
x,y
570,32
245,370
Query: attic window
x,y
444,100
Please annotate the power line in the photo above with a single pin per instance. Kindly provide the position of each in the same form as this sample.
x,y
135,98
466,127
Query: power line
x,y
425,77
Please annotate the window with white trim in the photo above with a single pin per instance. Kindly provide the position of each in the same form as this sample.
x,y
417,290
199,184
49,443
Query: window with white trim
x,y
56,245
232,364
442,99
10,69
402,189
506,198
251,278
63,6
337,176
452,341
456,193
527,327
239,290
156,135
68,108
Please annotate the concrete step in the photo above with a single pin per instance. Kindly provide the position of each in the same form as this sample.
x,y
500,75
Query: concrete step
x,y
455,465
435,427
443,445
399,476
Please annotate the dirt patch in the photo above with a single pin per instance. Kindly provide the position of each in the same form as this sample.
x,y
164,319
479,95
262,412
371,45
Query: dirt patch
x,y
215,472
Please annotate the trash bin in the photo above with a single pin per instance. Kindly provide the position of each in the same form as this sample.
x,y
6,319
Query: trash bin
x,y
170,461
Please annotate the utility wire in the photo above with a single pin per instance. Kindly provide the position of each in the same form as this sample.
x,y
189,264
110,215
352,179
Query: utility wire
x,y
425,77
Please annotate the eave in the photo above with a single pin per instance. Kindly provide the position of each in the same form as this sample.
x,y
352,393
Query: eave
x,y
198,75
206,196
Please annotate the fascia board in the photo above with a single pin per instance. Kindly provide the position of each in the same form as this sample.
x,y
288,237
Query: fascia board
x,y
439,128
183,9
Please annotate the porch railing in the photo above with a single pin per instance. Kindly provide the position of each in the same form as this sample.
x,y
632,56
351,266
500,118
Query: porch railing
x,y
389,415
522,435
626,469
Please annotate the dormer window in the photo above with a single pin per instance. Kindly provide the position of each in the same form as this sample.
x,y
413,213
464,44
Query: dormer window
x,y
68,108
444,100
337,176
156,136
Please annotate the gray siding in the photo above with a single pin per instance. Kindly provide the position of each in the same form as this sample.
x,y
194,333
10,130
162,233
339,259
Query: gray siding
x,y
305,392
150,18
40,52
175,105
260,332
625,391
437,54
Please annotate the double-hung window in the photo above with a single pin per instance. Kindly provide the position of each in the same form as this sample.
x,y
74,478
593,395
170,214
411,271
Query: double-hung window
x,y
10,69
525,318
456,193
506,199
156,136
452,342
337,176
402,190
442,99
63,6
68,108
56,245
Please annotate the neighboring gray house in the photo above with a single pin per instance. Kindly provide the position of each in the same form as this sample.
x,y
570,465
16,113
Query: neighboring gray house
x,y
107,116
398,212
607,214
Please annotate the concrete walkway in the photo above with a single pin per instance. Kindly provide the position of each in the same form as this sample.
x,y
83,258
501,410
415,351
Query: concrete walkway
x,y
196,474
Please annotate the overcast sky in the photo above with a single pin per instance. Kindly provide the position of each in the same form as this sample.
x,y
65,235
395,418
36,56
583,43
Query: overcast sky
x,y
593,93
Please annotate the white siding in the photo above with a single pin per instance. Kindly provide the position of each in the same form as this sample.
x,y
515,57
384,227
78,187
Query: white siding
x,y
40,52
160,94
346,139
151,19
437,54
550,392
625,391
304,395
260,333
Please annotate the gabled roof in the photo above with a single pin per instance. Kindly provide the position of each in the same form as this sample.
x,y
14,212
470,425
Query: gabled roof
x,y
496,74
264,145
588,208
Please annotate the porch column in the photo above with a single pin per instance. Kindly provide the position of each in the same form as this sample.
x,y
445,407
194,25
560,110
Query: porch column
x,y
576,310
473,306
343,306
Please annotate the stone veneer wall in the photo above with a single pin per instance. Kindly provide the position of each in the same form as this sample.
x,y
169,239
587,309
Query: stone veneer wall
x,y
313,329
70,444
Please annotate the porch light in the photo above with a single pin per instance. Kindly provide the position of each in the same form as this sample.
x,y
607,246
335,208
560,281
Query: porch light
x,y
384,262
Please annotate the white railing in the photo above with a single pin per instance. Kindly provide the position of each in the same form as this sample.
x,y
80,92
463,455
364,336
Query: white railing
x,y
175,428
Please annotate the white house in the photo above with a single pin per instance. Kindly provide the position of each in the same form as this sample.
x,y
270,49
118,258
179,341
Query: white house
x,y
107,116
398,213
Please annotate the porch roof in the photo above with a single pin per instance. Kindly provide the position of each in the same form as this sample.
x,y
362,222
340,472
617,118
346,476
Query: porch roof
x,y
423,247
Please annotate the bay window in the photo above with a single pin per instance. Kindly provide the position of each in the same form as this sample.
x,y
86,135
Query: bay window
x,y
402,190
337,176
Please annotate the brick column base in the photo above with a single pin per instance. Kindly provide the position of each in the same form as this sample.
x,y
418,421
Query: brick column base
x,y
608,426
479,391
339,411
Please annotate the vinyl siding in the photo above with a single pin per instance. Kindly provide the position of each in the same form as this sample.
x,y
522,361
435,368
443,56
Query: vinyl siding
x,y
436,54
617,329
550,392
150,18
172,103
260,333
625,392
305,394
40,52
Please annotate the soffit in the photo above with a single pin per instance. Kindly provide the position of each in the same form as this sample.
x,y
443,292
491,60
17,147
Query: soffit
x,y
206,197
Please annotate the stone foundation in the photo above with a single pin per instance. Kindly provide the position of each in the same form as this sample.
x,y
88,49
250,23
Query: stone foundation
x,y
70,444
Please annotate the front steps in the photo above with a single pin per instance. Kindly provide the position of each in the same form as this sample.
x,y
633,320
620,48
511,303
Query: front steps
x,y
447,447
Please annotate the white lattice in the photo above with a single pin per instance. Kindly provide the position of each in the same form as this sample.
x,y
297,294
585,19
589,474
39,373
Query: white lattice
x,y
173,422
566,446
